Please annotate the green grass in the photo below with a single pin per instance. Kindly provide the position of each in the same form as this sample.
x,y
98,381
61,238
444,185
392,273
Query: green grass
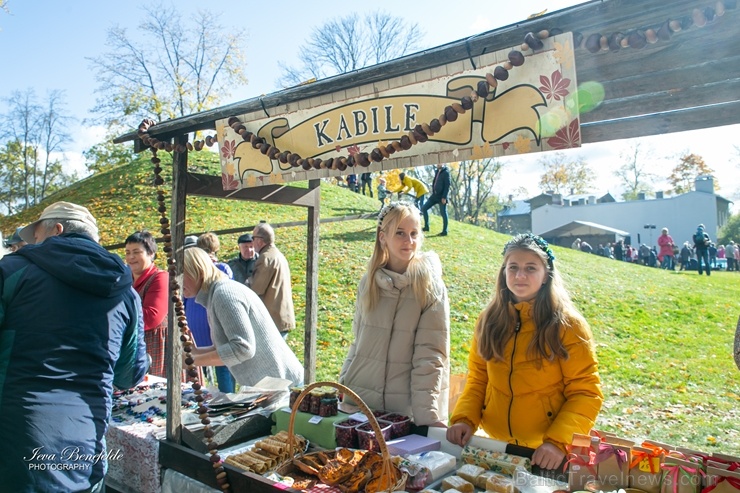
x,y
664,339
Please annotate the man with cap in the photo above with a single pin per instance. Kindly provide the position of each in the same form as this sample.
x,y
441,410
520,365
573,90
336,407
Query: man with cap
x,y
71,329
243,264
271,279
15,242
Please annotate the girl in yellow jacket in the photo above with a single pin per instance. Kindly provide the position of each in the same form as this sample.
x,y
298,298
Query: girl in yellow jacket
x,y
532,372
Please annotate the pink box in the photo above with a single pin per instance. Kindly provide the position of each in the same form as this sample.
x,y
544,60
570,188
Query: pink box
x,y
412,444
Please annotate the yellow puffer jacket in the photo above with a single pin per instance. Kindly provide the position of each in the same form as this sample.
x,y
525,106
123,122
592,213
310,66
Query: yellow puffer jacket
x,y
417,186
524,400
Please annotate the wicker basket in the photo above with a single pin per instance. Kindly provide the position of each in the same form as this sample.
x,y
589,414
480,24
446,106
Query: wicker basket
x,y
388,467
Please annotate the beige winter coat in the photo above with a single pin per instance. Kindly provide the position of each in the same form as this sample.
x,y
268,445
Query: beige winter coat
x,y
399,360
271,281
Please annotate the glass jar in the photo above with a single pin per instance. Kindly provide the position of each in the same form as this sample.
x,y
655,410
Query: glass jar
x,y
328,407
305,404
314,398
294,393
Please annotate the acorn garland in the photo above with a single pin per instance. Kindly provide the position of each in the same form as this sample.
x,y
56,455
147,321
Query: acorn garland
x,y
594,43
182,323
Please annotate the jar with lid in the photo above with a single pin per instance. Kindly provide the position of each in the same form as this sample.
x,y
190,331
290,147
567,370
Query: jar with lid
x,y
329,406
305,404
315,397
294,393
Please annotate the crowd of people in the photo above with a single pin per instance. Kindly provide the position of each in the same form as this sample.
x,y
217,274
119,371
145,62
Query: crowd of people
x,y
699,253
531,348
413,188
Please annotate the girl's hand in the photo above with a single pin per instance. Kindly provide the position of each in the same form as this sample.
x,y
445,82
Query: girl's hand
x,y
459,434
548,456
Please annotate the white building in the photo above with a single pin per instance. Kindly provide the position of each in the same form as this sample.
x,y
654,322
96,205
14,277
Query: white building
x,y
644,219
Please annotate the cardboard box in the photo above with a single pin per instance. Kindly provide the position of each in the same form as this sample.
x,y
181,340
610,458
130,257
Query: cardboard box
x,y
613,460
680,476
645,471
412,444
724,481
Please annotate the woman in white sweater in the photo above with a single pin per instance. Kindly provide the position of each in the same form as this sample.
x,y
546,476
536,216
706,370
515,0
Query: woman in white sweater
x,y
245,338
399,359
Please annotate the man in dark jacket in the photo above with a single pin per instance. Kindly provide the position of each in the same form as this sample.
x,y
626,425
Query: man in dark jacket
x,y
701,246
71,329
440,191
242,265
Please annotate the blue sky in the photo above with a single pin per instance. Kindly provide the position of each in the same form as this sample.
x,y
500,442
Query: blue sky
x,y
44,45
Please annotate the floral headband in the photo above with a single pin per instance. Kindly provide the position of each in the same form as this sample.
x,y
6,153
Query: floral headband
x,y
537,240
385,210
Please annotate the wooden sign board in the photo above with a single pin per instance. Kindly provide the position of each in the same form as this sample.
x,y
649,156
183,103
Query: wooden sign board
x,y
535,109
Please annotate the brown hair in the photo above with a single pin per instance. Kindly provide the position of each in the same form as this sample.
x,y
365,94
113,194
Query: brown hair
x,y
552,310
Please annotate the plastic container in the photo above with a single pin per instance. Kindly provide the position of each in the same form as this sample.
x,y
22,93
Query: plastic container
x,y
345,433
366,436
401,424
378,414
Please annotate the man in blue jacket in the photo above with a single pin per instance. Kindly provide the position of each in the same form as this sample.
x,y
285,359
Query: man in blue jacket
x,y
440,191
70,329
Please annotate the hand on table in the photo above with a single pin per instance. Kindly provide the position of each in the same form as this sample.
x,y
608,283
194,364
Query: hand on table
x,y
459,434
548,456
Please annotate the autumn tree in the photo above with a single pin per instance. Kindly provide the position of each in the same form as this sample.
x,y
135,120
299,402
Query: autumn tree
x,y
685,172
730,231
634,174
172,68
349,43
32,158
471,188
563,176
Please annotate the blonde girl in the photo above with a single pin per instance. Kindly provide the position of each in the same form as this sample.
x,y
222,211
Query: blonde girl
x,y
532,370
399,359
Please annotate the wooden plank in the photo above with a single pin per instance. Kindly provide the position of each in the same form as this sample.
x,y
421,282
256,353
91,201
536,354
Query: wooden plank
x,y
173,345
211,186
660,123
671,100
197,466
312,286
596,16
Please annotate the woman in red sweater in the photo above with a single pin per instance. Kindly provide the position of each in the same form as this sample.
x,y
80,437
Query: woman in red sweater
x,y
152,285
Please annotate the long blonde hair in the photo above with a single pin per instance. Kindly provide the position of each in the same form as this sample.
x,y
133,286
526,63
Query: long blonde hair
x,y
553,309
419,272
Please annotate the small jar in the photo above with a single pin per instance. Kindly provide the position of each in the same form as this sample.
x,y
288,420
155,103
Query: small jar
x,y
328,407
315,397
305,404
294,393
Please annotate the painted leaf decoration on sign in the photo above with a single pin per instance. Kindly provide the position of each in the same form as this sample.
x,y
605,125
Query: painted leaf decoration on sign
x,y
555,87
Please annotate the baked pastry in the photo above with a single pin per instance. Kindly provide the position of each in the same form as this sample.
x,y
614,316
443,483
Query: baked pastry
x,y
457,483
470,472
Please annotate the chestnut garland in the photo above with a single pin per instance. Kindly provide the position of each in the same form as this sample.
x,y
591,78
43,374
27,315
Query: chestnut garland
x,y
182,323
594,43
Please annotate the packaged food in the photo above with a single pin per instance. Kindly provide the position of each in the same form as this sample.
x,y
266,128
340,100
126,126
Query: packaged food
x,y
329,407
346,433
315,397
294,393
366,436
401,424
482,479
499,483
457,483
470,472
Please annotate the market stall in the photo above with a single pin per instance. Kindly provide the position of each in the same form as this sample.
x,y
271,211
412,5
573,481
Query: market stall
x,y
602,70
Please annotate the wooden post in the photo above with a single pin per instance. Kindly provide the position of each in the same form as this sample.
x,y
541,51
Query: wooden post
x,y
312,283
173,348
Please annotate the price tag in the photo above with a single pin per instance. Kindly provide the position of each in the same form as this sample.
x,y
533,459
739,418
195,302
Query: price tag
x,y
646,463
358,417
315,420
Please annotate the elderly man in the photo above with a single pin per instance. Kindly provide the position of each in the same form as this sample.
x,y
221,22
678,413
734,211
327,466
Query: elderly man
x,y
242,266
70,329
271,279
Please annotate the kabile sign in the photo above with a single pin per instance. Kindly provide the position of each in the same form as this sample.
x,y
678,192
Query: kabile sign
x,y
533,110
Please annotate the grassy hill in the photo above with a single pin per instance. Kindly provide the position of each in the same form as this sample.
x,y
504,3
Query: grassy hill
x,y
664,338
